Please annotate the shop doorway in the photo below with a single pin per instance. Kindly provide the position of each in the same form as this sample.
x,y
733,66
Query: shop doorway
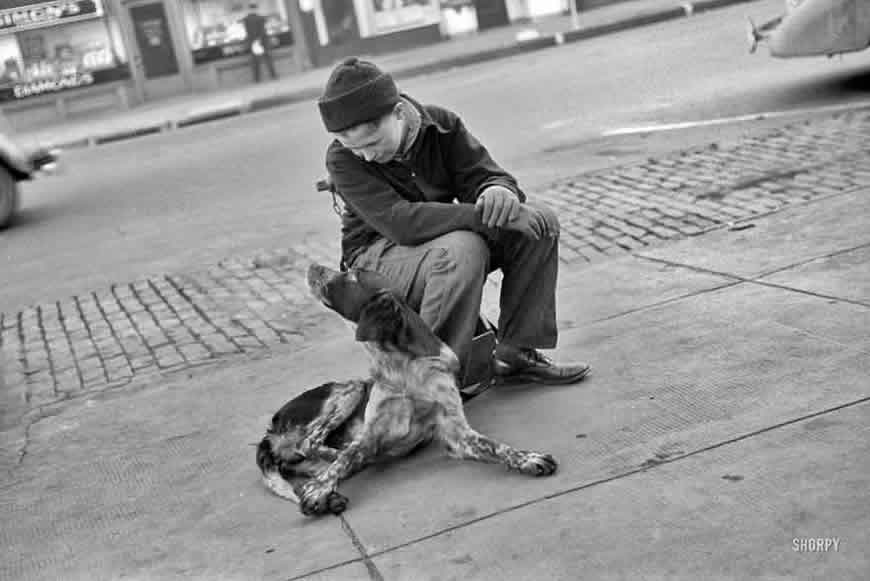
x,y
491,13
156,67
340,20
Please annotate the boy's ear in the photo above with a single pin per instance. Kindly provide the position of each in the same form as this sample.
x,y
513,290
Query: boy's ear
x,y
381,320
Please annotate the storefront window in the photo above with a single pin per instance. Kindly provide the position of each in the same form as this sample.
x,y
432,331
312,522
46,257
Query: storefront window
x,y
398,14
56,46
215,29
339,17
458,17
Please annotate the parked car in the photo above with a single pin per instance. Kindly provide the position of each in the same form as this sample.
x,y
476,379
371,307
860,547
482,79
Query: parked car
x,y
815,27
16,165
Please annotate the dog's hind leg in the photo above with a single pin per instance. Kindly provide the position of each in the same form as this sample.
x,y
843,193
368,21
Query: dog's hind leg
x,y
471,445
304,434
388,430
465,443
346,398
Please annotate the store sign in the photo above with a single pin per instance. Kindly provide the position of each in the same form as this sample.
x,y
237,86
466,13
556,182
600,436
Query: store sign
x,y
42,86
48,14
63,82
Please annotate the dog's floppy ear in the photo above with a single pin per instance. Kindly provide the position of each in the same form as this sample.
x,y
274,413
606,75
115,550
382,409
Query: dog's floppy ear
x,y
381,320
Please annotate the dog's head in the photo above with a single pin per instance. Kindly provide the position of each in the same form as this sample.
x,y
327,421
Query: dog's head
x,y
346,293
381,316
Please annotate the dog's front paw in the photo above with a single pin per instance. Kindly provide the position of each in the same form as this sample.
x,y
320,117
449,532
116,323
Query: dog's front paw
x,y
314,499
536,464
318,498
337,503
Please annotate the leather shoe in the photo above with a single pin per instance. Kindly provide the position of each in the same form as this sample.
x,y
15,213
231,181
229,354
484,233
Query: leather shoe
x,y
514,365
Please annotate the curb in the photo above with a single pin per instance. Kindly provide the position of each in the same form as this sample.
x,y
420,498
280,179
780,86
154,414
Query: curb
x,y
257,104
213,113
122,135
291,98
465,60
706,5
643,19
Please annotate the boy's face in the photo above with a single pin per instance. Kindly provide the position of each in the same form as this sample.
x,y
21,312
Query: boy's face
x,y
376,141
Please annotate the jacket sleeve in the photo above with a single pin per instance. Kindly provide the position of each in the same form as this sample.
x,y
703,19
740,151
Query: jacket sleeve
x,y
471,165
402,221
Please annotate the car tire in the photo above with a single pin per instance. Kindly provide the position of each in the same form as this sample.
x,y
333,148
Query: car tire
x,y
9,198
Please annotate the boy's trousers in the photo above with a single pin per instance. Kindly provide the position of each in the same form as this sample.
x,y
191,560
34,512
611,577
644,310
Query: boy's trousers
x,y
443,281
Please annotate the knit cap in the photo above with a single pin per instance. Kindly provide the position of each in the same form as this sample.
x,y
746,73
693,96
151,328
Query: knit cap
x,y
357,91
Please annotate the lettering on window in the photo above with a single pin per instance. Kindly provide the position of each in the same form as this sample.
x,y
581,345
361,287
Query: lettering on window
x,y
16,19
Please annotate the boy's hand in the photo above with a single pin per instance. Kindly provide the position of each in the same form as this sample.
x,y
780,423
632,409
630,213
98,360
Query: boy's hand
x,y
533,223
497,206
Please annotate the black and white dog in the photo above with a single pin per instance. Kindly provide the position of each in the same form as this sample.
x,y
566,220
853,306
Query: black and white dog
x,y
332,431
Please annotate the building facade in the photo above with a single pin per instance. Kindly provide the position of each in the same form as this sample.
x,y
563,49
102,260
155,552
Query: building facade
x,y
61,59
50,48
336,28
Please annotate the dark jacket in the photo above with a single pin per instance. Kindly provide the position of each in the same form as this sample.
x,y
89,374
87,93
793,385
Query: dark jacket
x,y
412,201
255,29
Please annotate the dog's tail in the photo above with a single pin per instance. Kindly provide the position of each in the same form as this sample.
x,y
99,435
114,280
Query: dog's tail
x,y
276,483
271,475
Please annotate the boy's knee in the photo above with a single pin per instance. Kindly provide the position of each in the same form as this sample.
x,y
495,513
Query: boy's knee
x,y
463,254
550,216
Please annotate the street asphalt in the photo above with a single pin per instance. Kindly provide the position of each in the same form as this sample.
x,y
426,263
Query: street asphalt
x,y
190,110
720,436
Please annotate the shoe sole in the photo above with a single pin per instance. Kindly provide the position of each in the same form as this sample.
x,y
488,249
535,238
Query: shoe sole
x,y
472,391
532,378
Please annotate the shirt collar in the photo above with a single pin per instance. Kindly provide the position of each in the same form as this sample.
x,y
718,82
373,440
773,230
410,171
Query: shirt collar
x,y
423,122
414,125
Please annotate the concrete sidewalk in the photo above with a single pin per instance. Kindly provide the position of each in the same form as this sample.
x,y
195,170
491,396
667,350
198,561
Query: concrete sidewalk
x,y
721,435
183,111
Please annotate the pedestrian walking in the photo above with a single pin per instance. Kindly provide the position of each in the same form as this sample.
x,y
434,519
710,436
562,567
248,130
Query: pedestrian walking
x,y
257,39
429,208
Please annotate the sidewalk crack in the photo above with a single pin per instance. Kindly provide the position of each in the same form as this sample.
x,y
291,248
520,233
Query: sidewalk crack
x,y
22,451
689,295
813,259
372,569
757,279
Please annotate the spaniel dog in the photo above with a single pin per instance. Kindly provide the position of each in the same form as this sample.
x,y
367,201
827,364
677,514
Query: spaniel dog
x,y
332,431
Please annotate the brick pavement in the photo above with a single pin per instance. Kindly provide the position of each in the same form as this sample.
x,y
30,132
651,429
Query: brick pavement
x,y
249,305
629,207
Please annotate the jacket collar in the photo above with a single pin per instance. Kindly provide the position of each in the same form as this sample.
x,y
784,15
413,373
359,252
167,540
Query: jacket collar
x,y
426,118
